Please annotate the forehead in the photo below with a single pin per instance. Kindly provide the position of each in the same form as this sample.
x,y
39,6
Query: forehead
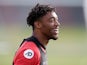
x,y
51,15
54,14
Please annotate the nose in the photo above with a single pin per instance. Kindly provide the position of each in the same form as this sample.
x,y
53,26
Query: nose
x,y
57,23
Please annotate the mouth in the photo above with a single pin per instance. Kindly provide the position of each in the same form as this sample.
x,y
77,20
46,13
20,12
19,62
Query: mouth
x,y
56,31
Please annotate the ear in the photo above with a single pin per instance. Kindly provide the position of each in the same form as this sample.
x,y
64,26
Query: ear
x,y
37,24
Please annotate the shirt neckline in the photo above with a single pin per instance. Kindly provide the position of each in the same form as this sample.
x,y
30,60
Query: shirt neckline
x,y
35,39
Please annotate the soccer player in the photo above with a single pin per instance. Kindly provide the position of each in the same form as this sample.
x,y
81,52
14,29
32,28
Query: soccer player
x,y
45,25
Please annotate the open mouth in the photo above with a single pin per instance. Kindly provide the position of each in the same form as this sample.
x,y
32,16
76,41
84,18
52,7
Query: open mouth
x,y
55,31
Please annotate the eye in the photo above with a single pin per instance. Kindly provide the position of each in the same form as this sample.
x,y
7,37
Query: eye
x,y
52,20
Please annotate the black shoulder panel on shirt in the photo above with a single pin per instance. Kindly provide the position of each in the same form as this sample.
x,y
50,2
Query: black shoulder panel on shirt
x,y
39,45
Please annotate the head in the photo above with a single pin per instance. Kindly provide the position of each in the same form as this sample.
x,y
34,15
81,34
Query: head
x,y
44,19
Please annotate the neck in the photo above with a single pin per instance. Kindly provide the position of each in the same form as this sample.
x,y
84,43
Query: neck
x,y
41,38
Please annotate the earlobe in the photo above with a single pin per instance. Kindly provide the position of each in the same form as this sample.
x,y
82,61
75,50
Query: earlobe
x,y
37,24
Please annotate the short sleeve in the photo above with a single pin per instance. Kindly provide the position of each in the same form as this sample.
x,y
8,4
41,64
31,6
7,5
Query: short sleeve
x,y
28,54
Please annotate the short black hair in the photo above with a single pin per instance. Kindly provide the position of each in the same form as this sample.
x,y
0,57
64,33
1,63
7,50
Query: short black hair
x,y
37,12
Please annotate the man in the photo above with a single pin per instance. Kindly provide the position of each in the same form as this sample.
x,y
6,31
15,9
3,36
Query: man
x,y
45,24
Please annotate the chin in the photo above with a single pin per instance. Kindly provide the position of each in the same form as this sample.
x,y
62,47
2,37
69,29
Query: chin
x,y
55,38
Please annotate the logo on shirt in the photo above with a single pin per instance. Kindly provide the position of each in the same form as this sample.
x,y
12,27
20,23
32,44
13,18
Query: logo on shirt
x,y
28,53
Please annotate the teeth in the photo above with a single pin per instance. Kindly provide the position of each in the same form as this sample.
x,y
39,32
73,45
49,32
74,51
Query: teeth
x,y
57,30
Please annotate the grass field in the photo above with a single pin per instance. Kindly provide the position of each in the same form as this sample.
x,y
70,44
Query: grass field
x,y
69,49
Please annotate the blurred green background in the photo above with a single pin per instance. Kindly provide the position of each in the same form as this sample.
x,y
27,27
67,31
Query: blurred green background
x,y
69,49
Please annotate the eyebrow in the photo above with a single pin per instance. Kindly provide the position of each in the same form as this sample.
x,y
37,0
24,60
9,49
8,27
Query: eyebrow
x,y
53,18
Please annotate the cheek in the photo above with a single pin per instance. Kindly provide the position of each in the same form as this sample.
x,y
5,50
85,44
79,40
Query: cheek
x,y
46,29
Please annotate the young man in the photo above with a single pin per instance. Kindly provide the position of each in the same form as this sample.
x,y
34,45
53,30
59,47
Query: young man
x,y
45,24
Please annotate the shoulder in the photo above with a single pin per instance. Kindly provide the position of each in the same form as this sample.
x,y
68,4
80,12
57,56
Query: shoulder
x,y
28,52
30,46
